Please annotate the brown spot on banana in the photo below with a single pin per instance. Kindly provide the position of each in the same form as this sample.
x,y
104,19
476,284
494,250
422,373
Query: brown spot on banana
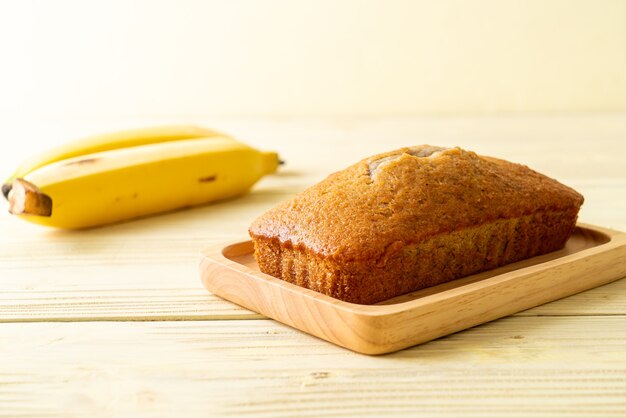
x,y
26,199
207,179
83,161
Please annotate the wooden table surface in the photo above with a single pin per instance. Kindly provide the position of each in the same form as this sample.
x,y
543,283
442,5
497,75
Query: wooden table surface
x,y
114,321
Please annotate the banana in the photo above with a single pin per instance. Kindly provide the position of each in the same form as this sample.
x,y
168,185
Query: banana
x,y
116,185
105,142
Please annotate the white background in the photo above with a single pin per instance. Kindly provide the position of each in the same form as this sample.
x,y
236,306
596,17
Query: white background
x,y
192,58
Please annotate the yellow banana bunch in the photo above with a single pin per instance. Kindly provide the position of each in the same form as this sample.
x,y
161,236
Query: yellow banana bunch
x,y
142,174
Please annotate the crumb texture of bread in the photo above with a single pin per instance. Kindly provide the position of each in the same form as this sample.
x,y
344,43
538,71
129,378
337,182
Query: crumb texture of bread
x,y
412,218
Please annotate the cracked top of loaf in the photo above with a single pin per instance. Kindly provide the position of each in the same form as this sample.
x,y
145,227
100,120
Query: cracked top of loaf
x,y
406,196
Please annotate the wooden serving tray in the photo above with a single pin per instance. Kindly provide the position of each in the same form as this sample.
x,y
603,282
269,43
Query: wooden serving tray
x,y
592,257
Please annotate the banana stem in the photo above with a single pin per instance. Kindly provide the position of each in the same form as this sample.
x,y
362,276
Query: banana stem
x,y
26,199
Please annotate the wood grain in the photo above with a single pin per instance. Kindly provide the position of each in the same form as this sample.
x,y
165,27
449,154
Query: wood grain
x,y
101,302
518,366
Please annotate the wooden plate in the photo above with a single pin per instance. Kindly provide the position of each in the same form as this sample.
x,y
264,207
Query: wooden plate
x,y
592,257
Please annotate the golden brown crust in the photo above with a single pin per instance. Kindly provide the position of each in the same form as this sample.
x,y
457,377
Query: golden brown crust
x,y
369,218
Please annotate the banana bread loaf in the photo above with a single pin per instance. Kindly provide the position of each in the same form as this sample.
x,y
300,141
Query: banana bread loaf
x,y
412,218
